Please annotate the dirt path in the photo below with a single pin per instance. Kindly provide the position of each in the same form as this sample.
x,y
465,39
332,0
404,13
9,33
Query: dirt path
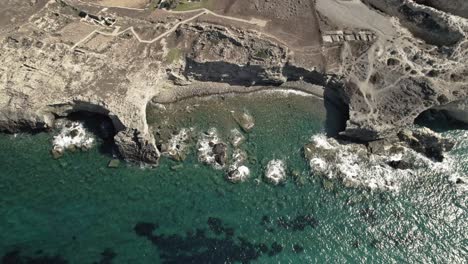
x,y
131,29
204,11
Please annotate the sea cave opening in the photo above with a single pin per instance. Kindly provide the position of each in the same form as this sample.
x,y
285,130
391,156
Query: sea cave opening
x,y
439,120
100,125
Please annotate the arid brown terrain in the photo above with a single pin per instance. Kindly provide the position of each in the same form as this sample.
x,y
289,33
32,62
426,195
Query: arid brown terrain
x,y
377,63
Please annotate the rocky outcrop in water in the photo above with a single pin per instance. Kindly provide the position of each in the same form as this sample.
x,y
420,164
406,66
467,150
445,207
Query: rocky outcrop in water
x,y
427,142
381,165
42,78
136,147
211,150
53,63
275,171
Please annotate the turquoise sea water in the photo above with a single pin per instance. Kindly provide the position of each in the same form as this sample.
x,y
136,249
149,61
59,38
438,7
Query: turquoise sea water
x,y
76,210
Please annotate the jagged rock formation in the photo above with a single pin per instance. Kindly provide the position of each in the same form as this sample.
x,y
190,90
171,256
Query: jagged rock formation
x,y
456,7
42,78
421,65
426,142
234,56
54,62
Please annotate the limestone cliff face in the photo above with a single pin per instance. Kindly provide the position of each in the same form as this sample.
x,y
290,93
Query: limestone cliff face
x,y
41,78
53,64
57,64
234,56
44,74
422,66
242,57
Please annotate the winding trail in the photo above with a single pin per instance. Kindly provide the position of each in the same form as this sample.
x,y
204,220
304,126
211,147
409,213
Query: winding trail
x,y
116,32
204,11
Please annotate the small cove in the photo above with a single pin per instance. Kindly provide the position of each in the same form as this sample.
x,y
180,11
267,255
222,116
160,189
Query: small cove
x,y
77,210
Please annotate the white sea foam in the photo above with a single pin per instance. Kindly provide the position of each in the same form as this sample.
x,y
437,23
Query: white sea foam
x,y
287,92
72,135
238,174
275,171
457,161
237,171
177,145
355,167
205,148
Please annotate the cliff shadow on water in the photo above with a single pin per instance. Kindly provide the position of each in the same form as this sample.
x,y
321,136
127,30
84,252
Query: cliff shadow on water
x,y
337,112
439,121
100,125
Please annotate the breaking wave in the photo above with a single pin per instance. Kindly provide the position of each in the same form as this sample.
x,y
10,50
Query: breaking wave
x,y
72,135
356,167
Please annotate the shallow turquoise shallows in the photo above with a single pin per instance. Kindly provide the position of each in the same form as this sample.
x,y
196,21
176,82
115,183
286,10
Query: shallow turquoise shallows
x,y
76,210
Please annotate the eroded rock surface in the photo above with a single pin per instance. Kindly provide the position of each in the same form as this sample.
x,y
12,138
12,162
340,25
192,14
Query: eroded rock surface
x,y
419,65
234,56
59,57
457,7
385,167
42,77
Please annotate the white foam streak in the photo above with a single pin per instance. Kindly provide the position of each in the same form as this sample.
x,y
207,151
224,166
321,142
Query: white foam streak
x,y
177,144
275,171
205,148
355,167
72,135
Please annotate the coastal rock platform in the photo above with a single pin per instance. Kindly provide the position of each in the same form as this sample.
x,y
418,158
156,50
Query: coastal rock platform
x,y
60,57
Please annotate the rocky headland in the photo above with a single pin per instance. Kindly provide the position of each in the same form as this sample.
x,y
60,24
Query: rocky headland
x,y
63,57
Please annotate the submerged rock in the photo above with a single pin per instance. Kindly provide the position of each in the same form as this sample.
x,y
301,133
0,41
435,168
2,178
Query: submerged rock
x,y
275,171
328,185
211,150
244,120
236,138
114,163
298,248
57,153
177,167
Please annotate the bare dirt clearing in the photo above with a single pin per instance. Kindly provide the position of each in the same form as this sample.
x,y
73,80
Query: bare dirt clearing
x,y
294,22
